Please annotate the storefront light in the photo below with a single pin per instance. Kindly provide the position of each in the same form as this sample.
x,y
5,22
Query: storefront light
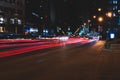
x,y
1,20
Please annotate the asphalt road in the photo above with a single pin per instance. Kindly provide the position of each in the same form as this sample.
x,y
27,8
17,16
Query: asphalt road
x,y
88,62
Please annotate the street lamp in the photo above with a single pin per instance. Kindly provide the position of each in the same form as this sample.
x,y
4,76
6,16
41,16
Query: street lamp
x,y
109,14
100,19
89,21
109,23
99,9
94,17
89,24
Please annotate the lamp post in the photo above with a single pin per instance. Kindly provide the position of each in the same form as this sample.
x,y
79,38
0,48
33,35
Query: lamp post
x,y
89,25
99,9
109,16
94,17
16,23
100,19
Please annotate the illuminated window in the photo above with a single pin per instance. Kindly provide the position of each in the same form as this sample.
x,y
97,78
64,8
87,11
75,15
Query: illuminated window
x,y
45,31
19,21
119,21
33,30
112,35
12,21
114,14
115,7
118,11
115,1
69,29
41,6
1,29
35,14
1,20
41,17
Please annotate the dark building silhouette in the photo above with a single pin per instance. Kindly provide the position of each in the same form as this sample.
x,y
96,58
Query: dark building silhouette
x,y
12,16
40,14
57,16
114,21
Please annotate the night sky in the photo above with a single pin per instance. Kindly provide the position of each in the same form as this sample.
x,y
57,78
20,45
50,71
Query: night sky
x,y
74,8
84,7
80,6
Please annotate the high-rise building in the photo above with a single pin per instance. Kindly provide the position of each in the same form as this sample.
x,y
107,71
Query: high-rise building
x,y
40,14
114,7
12,16
46,15
54,16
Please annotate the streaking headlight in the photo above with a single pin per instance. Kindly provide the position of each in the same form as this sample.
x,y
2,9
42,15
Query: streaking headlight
x,y
64,38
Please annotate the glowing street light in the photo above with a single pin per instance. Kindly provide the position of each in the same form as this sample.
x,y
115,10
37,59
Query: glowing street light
x,y
99,9
84,24
89,21
100,19
109,14
94,17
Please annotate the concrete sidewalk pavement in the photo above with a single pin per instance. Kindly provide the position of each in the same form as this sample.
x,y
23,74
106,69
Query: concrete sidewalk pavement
x,y
108,65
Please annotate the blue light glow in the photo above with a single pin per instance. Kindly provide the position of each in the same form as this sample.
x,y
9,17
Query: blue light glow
x,y
112,35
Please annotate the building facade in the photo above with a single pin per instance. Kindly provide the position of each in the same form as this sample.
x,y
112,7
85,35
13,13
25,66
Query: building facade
x,y
114,22
12,14
39,15
60,17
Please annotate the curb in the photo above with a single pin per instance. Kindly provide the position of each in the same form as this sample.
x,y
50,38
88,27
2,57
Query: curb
x,y
111,50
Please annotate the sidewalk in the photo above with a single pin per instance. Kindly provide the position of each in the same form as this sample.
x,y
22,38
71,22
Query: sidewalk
x,y
111,50
108,65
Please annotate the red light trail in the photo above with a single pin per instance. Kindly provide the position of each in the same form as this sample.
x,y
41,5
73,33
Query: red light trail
x,y
28,47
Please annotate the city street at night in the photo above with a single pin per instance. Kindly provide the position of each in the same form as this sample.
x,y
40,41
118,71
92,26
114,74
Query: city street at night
x,y
77,62
59,39
11,47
